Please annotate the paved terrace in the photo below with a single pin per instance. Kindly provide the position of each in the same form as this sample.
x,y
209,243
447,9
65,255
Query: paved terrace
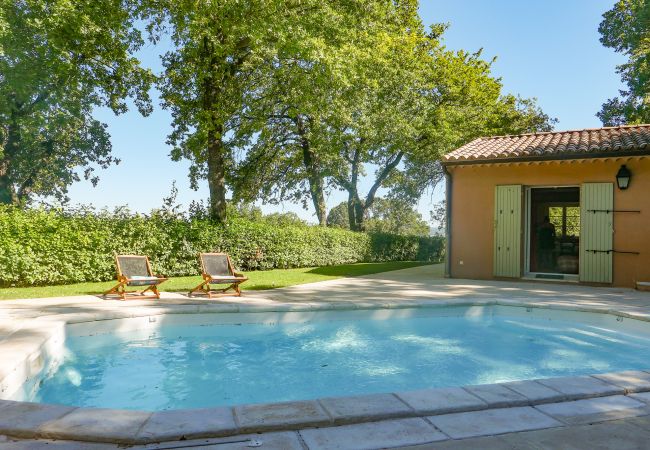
x,y
400,288
607,411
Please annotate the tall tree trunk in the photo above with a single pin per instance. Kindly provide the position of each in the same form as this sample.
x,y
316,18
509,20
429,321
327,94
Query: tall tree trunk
x,y
7,194
355,206
352,213
7,190
356,212
314,177
360,210
216,156
213,96
216,177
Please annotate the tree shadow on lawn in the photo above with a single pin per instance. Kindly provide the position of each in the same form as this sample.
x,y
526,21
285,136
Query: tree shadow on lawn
x,y
360,269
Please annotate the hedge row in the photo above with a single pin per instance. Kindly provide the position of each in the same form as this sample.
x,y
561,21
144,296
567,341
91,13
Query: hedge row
x,y
39,247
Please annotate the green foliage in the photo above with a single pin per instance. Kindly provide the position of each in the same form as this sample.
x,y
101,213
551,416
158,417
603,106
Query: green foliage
x,y
58,61
309,88
287,218
438,216
386,215
392,99
55,247
392,247
395,216
338,216
244,210
626,29
463,100
222,52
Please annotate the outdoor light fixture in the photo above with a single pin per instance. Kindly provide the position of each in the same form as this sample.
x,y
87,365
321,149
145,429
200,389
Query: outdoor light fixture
x,y
623,177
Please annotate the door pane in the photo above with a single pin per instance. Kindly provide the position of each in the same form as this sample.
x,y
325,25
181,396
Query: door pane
x,y
555,230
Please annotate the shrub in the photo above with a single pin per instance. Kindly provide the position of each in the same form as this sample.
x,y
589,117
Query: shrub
x,y
39,246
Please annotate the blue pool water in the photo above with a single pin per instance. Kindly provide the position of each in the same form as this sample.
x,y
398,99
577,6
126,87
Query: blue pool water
x,y
176,366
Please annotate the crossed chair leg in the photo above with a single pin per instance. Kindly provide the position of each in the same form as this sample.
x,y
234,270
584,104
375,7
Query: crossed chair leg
x,y
204,288
120,290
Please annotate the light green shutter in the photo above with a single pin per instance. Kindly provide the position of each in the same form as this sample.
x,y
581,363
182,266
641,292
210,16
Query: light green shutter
x,y
596,232
507,231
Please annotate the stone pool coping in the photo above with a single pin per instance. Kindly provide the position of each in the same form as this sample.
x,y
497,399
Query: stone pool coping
x,y
22,358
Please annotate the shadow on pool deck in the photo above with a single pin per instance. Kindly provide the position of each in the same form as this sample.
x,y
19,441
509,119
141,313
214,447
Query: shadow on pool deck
x,y
428,283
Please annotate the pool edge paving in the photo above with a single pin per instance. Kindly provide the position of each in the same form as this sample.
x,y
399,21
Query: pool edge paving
x,y
624,393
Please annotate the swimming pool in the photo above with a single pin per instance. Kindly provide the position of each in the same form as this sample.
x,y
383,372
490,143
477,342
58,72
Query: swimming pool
x,y
201,360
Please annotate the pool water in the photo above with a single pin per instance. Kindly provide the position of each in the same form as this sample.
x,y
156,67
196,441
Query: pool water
x,y
189,366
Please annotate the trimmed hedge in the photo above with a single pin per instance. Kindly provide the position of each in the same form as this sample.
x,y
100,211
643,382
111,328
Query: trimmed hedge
x,y
45,247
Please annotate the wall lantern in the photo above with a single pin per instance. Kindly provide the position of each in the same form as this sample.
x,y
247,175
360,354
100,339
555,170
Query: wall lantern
x,y
623,177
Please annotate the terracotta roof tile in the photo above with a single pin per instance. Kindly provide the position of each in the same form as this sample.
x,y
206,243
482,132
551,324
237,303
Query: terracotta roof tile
x,y
560,144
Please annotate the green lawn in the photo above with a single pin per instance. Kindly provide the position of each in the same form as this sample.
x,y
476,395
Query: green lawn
x,y
259,280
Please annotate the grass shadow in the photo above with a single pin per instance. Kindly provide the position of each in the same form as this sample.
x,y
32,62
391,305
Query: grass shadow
x,y
360,269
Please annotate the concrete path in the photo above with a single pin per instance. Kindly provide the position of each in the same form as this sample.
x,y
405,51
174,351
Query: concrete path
x,y
624,434
427,283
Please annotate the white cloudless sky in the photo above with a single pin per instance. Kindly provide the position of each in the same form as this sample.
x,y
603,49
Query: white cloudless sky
x,y
545,49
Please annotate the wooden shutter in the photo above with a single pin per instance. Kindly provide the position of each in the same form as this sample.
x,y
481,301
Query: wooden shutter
x,y
596,232
507,231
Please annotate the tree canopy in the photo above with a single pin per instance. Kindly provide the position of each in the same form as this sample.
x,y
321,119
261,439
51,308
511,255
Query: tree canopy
x,y
225,54
215,47
626,29
286,125
271,100
392,101
58,61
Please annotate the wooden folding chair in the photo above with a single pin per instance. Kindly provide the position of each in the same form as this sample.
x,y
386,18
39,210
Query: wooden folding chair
x,y
216,268
135,270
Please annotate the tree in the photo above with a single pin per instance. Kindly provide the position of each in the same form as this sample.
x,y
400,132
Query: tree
x,y
389,98
379,121
282,161
387,215
438,216
390,215
58,61
283,121
423,103
284,219
338,216
246,211
626,29
223,52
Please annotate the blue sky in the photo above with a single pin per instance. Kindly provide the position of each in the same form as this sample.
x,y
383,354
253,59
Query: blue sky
x,y
545,49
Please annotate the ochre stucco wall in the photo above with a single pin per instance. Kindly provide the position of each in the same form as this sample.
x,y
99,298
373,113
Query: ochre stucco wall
x,y
472,215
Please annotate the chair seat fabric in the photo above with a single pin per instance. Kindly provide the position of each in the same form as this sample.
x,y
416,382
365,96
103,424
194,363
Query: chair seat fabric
x,y
142,281
224,279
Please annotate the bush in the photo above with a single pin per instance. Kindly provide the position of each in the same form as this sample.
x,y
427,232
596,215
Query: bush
x,y
39,247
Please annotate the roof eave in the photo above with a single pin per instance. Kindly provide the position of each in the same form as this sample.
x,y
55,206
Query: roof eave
x,y
555,157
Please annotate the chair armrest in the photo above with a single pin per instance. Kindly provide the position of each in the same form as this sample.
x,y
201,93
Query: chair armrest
x,y
238,275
